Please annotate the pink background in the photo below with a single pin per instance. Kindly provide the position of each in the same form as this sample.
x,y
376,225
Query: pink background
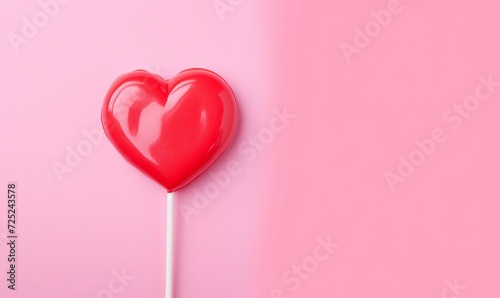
x,y
321,175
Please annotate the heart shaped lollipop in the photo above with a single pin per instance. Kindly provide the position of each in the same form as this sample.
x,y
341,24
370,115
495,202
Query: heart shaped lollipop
x,y
172,130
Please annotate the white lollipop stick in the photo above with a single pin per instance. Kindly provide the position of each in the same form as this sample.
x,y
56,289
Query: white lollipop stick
x,y
170,245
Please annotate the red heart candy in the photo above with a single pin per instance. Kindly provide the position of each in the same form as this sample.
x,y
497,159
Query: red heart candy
x,y
173,130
